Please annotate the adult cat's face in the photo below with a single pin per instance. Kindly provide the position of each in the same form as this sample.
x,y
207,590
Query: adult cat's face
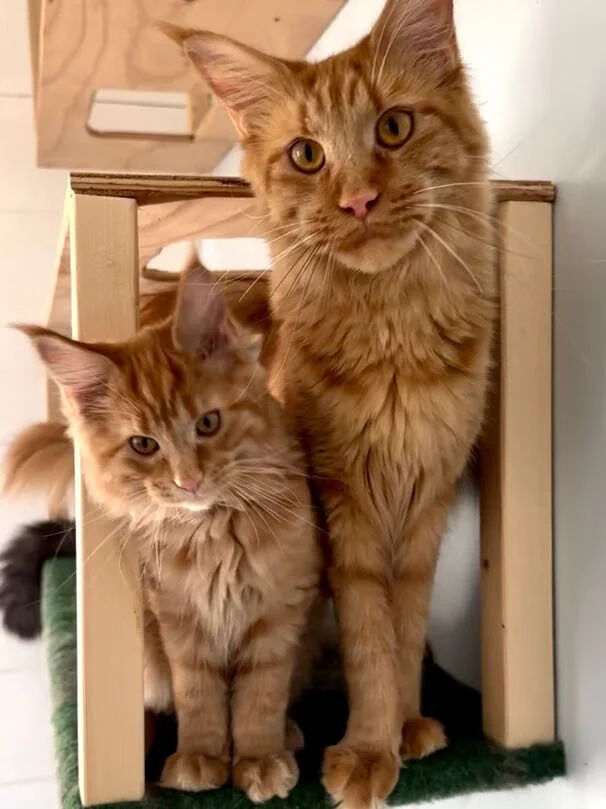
x,y
349,155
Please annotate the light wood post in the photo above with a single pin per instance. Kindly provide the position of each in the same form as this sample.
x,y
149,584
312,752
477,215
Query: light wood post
x,y
103,235
516,491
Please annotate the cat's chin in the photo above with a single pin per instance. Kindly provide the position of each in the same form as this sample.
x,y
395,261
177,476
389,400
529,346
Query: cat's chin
x,y
377,254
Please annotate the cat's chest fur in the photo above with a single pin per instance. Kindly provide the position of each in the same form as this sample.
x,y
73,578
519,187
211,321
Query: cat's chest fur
x,y
211,573
389,368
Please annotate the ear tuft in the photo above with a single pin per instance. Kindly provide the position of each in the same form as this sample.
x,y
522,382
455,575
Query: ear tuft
x,y
417,28
81,371
175,32
243,78
201,324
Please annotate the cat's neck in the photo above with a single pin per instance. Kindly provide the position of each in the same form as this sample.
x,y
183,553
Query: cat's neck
x,y
350,319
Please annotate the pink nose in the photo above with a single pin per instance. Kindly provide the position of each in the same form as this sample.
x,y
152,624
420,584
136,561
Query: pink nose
x,y
188,485
360,204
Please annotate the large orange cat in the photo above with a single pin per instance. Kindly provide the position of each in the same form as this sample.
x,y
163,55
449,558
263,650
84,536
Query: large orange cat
x,y
371,170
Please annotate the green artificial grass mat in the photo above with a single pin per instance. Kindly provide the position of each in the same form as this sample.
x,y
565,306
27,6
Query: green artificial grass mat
x,y
469,764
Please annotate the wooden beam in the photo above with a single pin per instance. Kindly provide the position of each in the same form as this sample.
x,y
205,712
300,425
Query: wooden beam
x,y
148,189
155,188
516,492
110,643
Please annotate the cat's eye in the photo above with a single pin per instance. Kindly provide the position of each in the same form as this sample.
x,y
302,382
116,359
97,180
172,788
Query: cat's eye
x,y
307,155
143,444
209,424
394,128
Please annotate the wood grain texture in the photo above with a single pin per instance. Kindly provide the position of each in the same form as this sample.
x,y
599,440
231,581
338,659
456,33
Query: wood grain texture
x,y
516,492
104,44
157,188
103,235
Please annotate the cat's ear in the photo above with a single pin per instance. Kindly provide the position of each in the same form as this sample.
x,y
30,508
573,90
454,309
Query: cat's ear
x,y
201,324
80,371
243,78
416,27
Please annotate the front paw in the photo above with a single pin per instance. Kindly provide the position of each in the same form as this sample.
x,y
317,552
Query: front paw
x,y
357,777
421,737
194,772
267,776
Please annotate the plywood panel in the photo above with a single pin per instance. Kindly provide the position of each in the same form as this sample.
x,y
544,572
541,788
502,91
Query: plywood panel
x,y
92,45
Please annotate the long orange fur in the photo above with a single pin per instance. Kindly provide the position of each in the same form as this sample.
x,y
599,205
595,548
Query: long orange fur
x,y
385,332
230,566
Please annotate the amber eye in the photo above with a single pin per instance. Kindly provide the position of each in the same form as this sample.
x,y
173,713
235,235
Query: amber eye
x,y
143,444
394,128
307,155
209,424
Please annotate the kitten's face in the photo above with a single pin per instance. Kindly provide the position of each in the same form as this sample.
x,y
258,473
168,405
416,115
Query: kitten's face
x,y
348,155
172,432
177,419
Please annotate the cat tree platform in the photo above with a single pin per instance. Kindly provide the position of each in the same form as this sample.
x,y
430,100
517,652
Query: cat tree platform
x,y
114,224
112,93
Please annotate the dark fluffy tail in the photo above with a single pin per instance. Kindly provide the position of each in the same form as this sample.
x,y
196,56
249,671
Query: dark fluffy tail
x,y
21,572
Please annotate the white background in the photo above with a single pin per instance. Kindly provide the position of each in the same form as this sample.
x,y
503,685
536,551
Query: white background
x,y
538,69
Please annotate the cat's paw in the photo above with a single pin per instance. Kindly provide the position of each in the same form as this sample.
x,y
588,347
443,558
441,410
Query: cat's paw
x,y
294,739
359,778
194,772
421,737
266,777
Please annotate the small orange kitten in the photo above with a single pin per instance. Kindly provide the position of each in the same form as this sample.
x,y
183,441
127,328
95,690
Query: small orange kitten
x,y
179,435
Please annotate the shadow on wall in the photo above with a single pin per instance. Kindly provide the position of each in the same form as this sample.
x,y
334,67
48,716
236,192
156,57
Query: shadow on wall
x,y
454,623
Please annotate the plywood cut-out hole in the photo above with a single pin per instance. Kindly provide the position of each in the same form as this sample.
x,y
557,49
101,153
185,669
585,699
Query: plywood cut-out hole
x,y
216,254
142,113
172,259
235,254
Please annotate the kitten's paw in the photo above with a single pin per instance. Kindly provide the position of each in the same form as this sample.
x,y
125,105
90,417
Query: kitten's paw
x,y
194,772
359,778
267,776
421,737
294,739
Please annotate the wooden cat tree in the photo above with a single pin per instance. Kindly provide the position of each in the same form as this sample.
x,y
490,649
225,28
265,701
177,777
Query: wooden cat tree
x,y
115,223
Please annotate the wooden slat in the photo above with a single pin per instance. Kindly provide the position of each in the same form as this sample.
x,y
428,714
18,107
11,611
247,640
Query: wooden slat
x,y
110,643
90,45
172,187
209,207
516,493
156,188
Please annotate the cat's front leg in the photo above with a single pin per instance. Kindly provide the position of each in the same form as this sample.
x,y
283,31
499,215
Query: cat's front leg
x,y
157,682
363,769
202,705
414,570
264,767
